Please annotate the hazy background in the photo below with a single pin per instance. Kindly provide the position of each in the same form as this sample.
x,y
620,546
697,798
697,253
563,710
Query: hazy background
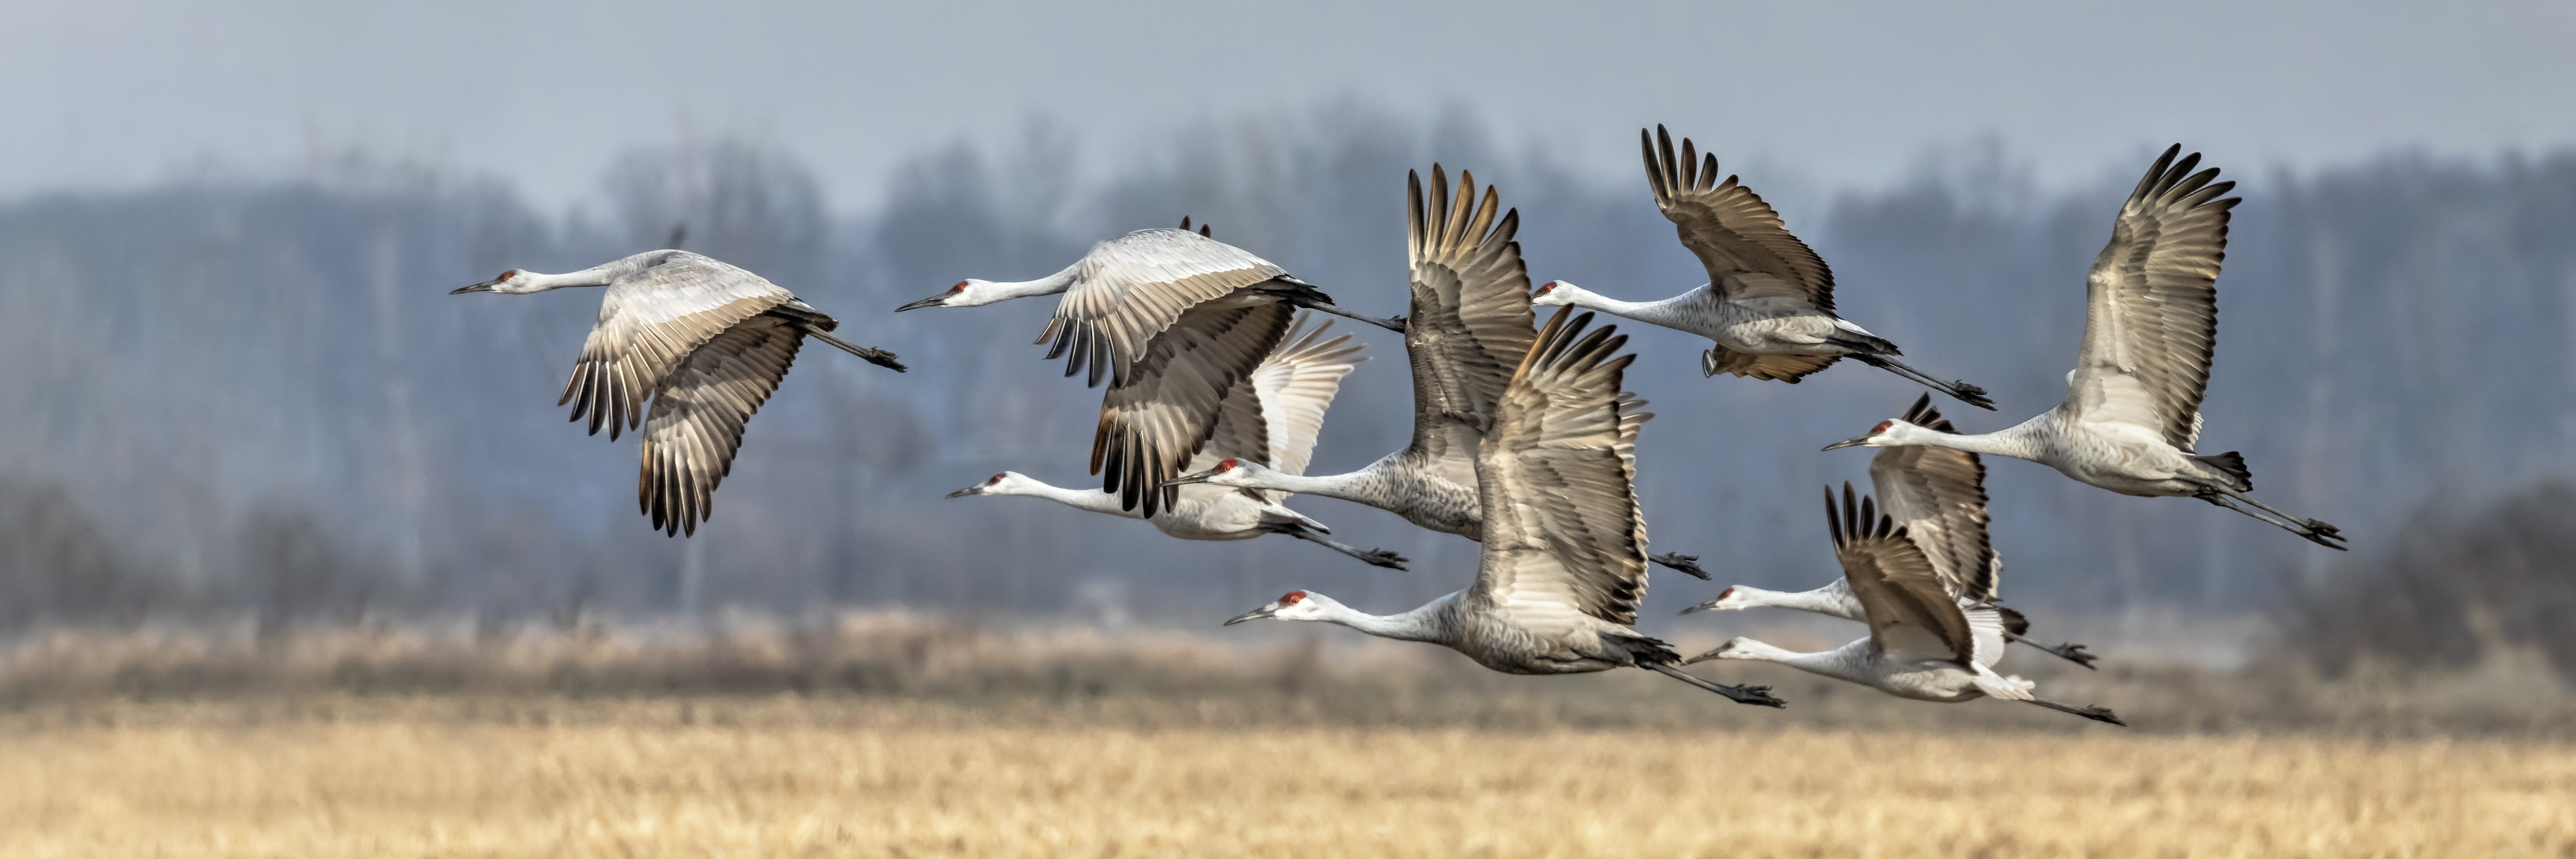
x,y
239,389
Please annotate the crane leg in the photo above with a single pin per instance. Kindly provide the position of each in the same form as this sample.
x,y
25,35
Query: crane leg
x,y
1371,557
2070,651
2098,714
1685,563
871,354
2316,532
1395,324
1759,696
1960,390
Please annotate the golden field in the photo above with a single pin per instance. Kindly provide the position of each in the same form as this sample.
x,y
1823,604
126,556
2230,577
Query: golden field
x,y
790,777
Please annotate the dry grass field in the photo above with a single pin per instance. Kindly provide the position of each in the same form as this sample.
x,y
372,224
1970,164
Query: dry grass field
x,y
778,777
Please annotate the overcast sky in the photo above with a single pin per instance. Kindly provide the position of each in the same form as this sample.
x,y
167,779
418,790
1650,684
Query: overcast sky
x,y
545,94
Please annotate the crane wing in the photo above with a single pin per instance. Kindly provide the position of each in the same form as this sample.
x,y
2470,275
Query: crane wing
x,y
2151,312
1470,323
1767,366
650,322
697,419
1272,416
1556,475
1751,257
1912,617
1166,407
1938,495
1131,289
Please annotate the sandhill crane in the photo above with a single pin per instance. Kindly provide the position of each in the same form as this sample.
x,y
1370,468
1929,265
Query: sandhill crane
x,y
1938,497
1272,414
1469,325
1922,644
706,341
1564,564
1174,319
1768,305
2132,412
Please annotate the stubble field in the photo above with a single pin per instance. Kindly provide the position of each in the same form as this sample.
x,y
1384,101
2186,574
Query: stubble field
x,y
675,778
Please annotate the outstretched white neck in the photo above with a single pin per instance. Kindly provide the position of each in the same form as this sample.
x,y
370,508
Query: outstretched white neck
x,y
600,276
1094,500
1843,663
1833,600
1049,285
2018,442
1666,312
1427,623
1360,486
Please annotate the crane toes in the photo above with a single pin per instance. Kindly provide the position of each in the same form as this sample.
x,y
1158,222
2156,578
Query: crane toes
x,y
2075,653
1383,558
1685,563
1759,696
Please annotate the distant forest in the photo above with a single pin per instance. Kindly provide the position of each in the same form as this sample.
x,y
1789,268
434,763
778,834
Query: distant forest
x,y
233,395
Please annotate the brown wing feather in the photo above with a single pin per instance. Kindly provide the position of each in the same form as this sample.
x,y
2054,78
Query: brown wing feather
x,y
1748,251
1912,617
2151,320
652,321
1470,321
698,418
1556,477
1167,406
1938,495
1131,289
1767,367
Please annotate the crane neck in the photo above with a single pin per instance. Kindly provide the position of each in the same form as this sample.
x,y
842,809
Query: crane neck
x,y
1360,486
1094,500
2019,442
597,276
1668,312
1049,285
1834,600
1847,662
1430,622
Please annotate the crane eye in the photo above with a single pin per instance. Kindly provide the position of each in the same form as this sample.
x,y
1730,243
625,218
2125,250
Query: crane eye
x,y
996,479
960,287
508,274
1292,598
1227,465
1882,426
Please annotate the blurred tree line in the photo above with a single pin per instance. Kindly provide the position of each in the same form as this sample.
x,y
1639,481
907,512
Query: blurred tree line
x,y
255,396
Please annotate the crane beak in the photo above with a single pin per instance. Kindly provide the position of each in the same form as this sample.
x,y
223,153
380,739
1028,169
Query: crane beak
x,y
1704,657
1702,606
485,286
1201,477
1854,440
1255,614
933,301
977,489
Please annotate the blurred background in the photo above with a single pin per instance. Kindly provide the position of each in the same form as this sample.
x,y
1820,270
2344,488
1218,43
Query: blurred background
x,y
244,412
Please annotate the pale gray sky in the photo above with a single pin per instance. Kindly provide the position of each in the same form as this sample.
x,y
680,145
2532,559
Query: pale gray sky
x,y
546,93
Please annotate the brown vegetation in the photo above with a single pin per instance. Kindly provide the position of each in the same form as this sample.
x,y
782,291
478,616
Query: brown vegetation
x,y
796,777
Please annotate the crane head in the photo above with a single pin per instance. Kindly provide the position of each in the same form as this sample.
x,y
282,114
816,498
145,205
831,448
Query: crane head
x,y
1727,600
1293,605
1554,293
967,293
1005,483
1738,647
508,282
1228,472
1888,433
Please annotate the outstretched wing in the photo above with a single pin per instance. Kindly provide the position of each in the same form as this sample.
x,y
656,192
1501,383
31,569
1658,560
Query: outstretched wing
x,y
1751,257
1131,289
2151,311
1912,618
1556,475
1470,323
1767,366
1272,416
1938,495
649,322
697,420
1165,408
